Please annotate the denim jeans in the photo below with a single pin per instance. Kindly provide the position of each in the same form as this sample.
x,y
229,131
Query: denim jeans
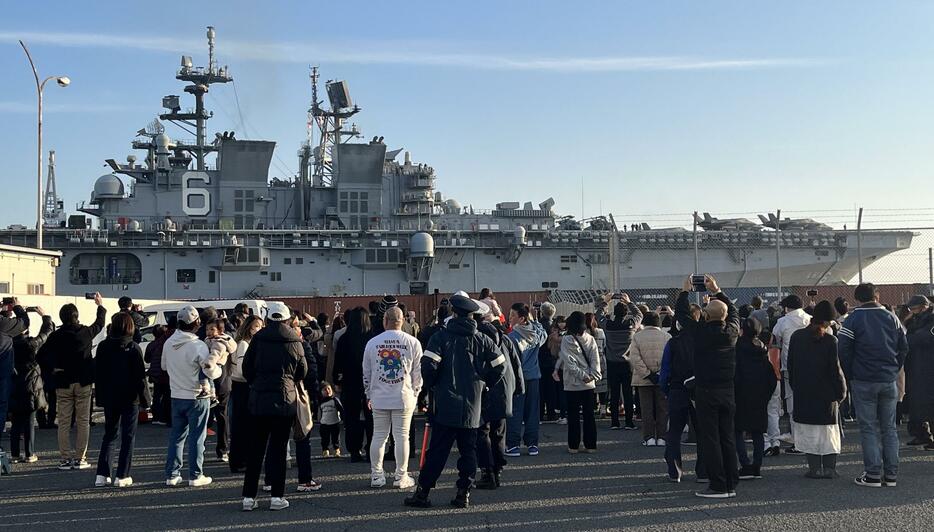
x,y
523,425
189,418
126,418
758,444
6,388
875,411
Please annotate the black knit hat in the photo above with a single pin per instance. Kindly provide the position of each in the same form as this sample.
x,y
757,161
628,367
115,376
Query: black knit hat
x,y
387,303
792,301
824,312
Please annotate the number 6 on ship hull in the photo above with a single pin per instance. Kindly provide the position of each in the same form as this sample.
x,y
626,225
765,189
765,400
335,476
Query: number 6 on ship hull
x,y
190,205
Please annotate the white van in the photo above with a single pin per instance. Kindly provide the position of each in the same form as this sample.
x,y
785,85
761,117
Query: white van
x,y
161,311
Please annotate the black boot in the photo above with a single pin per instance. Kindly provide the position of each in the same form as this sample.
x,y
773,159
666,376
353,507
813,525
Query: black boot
x,y
487,481
419,499
814,466
829,464
496,477
462,499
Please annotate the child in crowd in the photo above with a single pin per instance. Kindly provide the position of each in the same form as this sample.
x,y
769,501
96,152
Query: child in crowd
x,y
330,412
221,346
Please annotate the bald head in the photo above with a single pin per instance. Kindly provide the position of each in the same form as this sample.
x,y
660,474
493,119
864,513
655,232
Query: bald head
x,y
392,320
716,310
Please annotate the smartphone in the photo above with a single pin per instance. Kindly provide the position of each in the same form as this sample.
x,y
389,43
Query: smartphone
x,y
89,295
698,281
537,305
812,292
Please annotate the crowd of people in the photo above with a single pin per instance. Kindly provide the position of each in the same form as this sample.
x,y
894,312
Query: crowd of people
x,y
485,377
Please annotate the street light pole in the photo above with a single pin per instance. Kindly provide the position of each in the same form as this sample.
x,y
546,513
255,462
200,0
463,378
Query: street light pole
x,y
62,81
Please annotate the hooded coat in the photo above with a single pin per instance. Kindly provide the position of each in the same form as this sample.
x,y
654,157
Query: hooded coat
x,y
754,384
273,363
497,401
919,365
28,389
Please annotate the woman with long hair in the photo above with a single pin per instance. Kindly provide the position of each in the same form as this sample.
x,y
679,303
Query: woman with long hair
x,y
120,381
815,375
348,374
601,388
240,393
754,382
579,362
330,341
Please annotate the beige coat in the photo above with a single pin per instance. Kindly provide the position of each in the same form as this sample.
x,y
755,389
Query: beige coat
x,y
645,355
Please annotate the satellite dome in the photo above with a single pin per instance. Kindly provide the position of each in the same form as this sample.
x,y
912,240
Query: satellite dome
x,y
520,234
108,186
162,141
422,245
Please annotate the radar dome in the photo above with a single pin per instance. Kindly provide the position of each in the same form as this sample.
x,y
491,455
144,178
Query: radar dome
x,y
520,234
162,141
108,186
422,245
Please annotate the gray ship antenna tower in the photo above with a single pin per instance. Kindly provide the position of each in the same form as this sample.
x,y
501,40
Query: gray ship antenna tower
x,y
53,212
330,124
200,78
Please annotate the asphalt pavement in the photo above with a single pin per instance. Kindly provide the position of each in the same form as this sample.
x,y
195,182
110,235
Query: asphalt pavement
x,y
623,485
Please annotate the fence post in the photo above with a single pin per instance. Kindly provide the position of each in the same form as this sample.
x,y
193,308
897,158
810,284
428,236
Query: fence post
x,y
930,268
859,243
778,253
697,296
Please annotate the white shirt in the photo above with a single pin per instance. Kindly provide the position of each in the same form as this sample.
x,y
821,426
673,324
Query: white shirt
x,y
183,357
785,327
392,373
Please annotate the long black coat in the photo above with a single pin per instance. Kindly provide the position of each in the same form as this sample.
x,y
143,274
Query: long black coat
x,y
273,363
919,366
28,388
754,384
816,377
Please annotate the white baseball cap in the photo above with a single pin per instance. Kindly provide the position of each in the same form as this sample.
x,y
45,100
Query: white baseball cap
x,y
188,314
277,311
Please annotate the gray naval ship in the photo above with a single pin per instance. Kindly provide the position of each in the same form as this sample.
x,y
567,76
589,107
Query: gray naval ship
x,y
201,218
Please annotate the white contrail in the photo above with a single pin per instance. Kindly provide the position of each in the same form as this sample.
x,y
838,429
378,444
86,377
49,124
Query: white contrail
x,y
297,52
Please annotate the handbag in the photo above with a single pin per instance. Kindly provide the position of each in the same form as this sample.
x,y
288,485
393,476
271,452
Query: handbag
x,y
586,358
303,424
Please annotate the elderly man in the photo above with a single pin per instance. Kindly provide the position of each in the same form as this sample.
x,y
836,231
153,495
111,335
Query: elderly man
x,y
714,367
919,370
392,379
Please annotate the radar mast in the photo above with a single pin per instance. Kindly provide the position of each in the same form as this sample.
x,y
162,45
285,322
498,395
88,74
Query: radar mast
x,y
330,128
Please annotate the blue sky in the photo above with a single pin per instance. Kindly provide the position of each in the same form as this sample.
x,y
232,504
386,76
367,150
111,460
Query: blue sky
x,y
659,107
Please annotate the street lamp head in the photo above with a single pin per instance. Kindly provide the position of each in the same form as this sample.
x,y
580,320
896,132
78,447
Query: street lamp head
x,y
63,81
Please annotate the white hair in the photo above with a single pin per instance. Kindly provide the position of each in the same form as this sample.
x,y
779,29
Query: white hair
x,y
548,310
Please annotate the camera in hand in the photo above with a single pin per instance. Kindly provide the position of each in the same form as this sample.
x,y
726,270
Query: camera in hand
x,y
812,292
90,295
697,280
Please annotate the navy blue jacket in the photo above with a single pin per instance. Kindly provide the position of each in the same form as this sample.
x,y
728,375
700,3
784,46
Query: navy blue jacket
x,y
458,364
497,401
872,344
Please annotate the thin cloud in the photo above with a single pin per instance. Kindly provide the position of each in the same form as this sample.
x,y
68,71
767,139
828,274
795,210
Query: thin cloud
x,y
295,52
24,107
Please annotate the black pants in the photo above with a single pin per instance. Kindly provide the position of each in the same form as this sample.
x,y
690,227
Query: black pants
x,y
548,394
491,445
619,378
359,433
439,447
585,400
222,427
679,412
716,436
239,424
24,425
161,402
126,418
272,432
303,459
330,436
47,417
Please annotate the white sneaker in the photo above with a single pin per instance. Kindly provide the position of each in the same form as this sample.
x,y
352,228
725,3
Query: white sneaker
x,y
249,504
101,481
203,480
562,421
404,482
123,482
787,438
173,481
278,503
660,442
267,488
649,442
377,480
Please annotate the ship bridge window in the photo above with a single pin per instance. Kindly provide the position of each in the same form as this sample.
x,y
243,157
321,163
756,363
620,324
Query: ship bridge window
x,y
287,260
186,275
275,276
101,268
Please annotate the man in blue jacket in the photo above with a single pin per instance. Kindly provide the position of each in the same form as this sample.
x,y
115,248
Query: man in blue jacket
x,y
872,348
